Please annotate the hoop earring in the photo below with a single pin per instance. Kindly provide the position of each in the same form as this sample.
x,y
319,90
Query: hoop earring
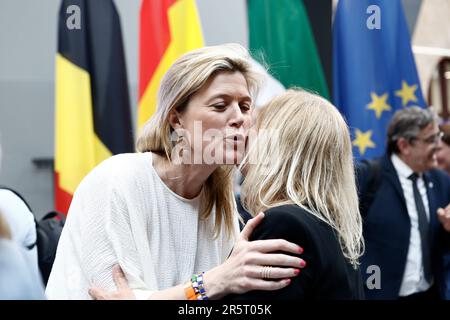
x,y
178,142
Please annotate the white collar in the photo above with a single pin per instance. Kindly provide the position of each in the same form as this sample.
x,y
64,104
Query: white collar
x,y
403,170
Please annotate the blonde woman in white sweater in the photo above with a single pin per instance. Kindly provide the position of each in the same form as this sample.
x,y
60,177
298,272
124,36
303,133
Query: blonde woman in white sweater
x,y
168,212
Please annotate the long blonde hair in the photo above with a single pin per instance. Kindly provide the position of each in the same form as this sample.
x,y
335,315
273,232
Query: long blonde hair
x,y
308,163
184,78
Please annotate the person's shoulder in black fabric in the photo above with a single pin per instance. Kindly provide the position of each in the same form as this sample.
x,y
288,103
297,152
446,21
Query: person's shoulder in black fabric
x,y
327,274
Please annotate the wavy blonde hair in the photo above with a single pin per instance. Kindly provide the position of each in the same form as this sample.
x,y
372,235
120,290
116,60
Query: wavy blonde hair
x,y
310,164
183,79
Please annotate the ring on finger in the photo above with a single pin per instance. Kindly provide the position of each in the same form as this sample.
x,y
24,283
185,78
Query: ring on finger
x,y
265,272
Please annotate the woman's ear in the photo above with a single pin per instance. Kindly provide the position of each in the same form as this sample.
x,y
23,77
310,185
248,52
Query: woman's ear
x,y
175,119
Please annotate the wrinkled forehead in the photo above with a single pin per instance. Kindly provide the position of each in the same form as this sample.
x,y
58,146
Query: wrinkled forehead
x,y
225,83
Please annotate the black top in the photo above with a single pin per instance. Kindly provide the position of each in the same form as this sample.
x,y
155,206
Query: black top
x,y
327,275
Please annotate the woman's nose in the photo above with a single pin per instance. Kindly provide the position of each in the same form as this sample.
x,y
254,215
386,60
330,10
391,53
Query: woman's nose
x,y
237,118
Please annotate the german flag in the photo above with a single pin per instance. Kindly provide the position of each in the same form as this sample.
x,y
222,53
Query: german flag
x,y
168,29
92,103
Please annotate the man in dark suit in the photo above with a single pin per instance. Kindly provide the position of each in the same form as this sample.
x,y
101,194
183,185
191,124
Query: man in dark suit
x,y
406,222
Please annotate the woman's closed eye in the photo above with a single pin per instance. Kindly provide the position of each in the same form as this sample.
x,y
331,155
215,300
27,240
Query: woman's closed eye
x,y
219,106
245,106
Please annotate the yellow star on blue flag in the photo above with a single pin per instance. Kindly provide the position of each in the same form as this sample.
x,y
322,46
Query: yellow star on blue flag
x,y
363,141
407,93
379,104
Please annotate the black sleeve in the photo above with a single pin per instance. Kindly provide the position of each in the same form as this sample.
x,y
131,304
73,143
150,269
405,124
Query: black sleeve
x,y
281,224
368,181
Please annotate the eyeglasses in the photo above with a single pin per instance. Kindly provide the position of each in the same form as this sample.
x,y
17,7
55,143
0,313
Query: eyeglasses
x,y
435,138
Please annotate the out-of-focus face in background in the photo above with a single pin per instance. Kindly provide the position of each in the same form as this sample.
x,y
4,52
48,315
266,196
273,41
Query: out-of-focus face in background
x,y
424,147
443,155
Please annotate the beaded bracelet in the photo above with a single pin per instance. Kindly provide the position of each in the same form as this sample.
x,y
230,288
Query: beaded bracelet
x,y
189,291
197,284
195,290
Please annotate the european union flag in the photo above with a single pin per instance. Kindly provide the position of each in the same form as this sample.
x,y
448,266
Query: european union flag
x,y
374,70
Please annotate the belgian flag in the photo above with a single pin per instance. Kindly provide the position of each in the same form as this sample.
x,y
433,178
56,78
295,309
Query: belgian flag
x,y
92,114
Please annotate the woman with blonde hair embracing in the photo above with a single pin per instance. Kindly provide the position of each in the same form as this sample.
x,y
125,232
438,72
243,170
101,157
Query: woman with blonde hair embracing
x,y
300,173
166,215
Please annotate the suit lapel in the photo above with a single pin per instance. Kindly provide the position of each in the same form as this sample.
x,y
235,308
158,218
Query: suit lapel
x,y
391,175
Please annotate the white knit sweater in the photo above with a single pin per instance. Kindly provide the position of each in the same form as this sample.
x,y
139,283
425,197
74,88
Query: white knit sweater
x,y
122,212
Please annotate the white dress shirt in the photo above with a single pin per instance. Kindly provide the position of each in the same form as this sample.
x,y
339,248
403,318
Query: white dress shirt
x,y
413,277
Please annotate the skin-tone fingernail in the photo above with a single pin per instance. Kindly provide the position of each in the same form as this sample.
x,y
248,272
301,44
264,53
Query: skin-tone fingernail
x,y
296,271
287,281
302,264
300,250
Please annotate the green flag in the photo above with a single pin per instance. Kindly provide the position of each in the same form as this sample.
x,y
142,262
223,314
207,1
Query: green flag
x,y
281,36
